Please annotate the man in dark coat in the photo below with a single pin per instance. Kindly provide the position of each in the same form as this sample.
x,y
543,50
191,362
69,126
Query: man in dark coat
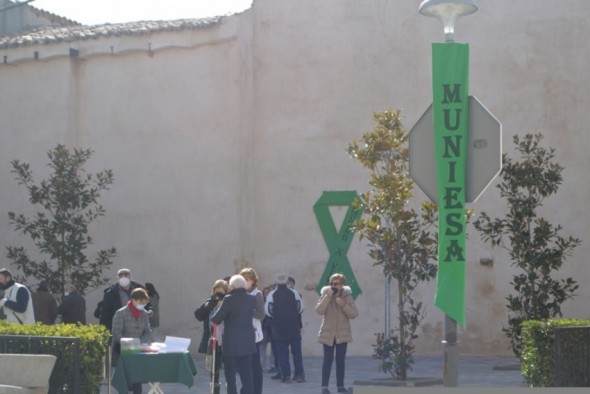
x,y
44,305
117,296
285,305
73,306
236,313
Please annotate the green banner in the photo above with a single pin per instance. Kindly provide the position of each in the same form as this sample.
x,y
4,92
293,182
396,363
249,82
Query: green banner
x,y
337,241
450,77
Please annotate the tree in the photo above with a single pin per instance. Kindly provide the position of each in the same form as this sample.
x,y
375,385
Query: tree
x,y
400,239
68,203
535,246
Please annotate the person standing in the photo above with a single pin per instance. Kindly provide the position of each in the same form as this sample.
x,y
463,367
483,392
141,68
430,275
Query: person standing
x,y
268,361
154,302
251,278
284,306
132,321
337,307
17,302
44,304
2,314
206,309
236,313
73,306
117,296
203,313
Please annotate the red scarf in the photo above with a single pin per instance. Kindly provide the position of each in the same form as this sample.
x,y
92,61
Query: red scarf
x,y
134,311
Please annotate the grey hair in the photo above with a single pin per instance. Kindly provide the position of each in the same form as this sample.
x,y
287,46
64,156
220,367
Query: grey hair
x,y
237,282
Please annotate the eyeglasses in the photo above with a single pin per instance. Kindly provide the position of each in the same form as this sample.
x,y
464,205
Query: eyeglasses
x,y
335,284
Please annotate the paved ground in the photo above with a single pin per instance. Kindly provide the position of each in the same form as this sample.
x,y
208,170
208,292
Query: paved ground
x,y
474,371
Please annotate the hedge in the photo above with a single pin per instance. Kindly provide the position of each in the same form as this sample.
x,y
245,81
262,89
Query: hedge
x,y
538,349
93,344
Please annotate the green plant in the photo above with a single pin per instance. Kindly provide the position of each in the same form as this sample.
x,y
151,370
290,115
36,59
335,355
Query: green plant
x,y
68,203
93,344
538,349
400,239
535,246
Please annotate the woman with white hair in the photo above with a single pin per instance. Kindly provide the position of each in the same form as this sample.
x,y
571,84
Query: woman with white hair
x,y
236,313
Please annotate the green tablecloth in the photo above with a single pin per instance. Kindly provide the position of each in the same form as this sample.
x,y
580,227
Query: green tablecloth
x,y
153,367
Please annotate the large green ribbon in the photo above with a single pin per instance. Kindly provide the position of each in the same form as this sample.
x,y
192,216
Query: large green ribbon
x,y
338,241
450,77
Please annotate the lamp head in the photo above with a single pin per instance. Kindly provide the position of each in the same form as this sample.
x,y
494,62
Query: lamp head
x,y
447,11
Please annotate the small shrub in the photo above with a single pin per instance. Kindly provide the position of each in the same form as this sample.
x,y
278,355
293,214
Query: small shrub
x,y
93,344
538,350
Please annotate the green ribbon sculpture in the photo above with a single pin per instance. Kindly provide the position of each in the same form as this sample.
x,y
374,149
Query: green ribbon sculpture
x,y
338,242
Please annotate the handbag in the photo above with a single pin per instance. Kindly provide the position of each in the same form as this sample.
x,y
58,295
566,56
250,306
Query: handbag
x,y
259,336
209,362
210,345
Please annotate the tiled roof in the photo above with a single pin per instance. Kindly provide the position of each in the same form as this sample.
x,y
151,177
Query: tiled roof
x,y
60,20
76,32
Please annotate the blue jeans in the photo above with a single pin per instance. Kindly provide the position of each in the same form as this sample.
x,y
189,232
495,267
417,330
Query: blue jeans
x,y
241,365
327,364
284,364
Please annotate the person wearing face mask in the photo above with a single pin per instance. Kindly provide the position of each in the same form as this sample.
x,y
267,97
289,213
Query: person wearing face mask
x,y
204,312
117,296
251,278
337,307
17,303
132,321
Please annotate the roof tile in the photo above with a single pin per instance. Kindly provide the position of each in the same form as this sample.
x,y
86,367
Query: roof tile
x,y
51,35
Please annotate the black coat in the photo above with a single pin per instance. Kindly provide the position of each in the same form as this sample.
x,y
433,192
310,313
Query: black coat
x,y
236,313
202,313
73,308
284,305
111,303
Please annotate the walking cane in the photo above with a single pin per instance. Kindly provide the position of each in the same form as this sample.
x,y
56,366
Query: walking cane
x,y
215,387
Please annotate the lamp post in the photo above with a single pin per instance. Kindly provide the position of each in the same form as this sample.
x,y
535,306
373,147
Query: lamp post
x,y
448,11
450,99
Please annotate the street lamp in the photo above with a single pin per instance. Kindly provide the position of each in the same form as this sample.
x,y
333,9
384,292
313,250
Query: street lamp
x,y
447,11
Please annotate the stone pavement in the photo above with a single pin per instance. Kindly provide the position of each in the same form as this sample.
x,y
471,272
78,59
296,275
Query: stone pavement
x,y
474,371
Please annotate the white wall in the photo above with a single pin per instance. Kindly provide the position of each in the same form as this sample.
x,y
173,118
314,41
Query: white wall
x,y
222,144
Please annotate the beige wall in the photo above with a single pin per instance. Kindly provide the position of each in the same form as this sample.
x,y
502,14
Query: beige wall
x,y
224,138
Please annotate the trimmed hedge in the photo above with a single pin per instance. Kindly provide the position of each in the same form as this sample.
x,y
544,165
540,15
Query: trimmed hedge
x,y
538,349
93,344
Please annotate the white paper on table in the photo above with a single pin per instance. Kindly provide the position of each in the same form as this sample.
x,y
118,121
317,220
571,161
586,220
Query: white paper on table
x,y
175,344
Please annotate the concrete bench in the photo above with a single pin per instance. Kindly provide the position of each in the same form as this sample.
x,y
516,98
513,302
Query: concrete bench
x,y
25,373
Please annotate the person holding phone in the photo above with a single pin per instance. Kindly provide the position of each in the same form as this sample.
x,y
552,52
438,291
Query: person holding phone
x,y
337,307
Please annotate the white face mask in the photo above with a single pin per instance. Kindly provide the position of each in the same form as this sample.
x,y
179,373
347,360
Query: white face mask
x,y
66,293
124,281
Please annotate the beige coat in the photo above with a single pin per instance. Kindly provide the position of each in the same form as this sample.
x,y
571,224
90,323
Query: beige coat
x,y
336,323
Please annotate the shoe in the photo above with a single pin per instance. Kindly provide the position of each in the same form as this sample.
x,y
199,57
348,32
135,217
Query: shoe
x,y
342,390
277,376
325,390
299,379
287,380
273,370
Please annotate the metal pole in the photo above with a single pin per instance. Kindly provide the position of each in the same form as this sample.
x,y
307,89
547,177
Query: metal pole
x,y
387,311
109,357
450,354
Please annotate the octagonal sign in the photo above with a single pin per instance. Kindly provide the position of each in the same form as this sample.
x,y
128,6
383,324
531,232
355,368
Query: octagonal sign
x,y
484,152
